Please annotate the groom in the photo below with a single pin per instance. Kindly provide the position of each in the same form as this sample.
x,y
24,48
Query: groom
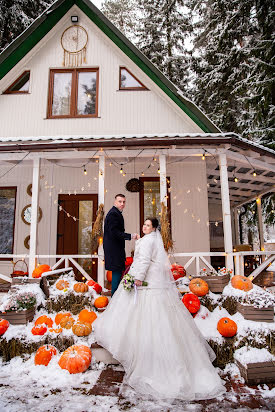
x,y
114,240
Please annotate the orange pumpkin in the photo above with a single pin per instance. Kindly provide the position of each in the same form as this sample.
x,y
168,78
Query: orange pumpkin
x,y
242,283
109,276
81,287
60,316
227,327
39,330
4,324
44,320
67,322
57,330
44,355
87,316
39,270
199,287
76,358
101,302
82,329
62,284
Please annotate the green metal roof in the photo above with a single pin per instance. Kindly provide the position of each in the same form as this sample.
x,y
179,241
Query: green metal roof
x,y
44,23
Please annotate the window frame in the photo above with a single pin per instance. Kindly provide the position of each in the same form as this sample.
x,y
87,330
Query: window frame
x,y
8,91
141,200
130,88
14,216
74,93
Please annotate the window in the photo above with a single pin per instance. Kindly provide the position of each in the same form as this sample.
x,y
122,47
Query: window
x,y
127,81
73,93
149,198
7,219
21,85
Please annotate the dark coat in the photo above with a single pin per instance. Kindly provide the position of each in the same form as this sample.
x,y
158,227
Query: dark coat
x,y
114,240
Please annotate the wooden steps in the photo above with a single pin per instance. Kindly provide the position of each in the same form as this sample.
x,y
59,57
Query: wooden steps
x,y
265,279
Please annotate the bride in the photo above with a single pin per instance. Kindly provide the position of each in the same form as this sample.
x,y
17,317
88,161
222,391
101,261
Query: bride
x,y
151,333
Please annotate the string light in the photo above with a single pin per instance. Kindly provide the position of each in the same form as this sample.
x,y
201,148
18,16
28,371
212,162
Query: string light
x,y
254,173
121,170
203,156
85,171
235,179
158,171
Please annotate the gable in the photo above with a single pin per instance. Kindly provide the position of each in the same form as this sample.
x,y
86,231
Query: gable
x,y
35,33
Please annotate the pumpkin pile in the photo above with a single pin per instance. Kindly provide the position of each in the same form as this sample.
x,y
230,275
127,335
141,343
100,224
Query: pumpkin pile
x,y
75,359
41,325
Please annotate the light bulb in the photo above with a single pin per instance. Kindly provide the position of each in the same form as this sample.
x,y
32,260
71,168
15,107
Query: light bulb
x,y
85,171
158,171
236,179
254,173
121,170
203,156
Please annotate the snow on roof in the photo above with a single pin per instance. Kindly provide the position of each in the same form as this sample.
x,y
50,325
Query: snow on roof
x,y
64,138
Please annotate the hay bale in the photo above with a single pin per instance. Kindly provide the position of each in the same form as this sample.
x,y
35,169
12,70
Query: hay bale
x,y
69,302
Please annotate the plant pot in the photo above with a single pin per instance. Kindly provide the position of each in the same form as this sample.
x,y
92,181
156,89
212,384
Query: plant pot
x,y
255,373
216,283
249,312
20,317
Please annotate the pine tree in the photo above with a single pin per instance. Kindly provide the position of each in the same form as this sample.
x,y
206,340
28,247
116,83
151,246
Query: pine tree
x,y
233,61
16,16
261,81
122,13
220,61
163,27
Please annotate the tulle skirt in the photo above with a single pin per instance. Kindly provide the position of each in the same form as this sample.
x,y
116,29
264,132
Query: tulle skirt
x,y
159,345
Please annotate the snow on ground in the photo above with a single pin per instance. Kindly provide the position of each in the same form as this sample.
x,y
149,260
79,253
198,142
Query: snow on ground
x,y
25,387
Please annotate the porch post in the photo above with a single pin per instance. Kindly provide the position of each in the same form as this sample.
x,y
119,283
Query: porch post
x,y
227,229
34,214
101,190
260,222
163,183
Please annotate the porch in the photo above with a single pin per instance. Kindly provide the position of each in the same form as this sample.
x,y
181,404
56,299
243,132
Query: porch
x,y
232,172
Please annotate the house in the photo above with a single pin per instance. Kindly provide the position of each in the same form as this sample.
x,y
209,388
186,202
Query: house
x,y
83,112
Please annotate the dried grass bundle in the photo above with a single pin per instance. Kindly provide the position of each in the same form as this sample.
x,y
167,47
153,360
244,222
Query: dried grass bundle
x,y
97,231
165,229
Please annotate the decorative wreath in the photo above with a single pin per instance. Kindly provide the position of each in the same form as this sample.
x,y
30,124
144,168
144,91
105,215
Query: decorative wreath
x,y
134,185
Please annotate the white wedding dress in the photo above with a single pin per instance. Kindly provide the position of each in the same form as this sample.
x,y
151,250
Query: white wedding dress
x,y
152,334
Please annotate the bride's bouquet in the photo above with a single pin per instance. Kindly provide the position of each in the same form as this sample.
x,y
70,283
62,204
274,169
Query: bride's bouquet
x,y
128,282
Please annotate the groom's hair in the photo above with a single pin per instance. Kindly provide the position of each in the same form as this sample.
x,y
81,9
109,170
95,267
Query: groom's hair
x,y
119,195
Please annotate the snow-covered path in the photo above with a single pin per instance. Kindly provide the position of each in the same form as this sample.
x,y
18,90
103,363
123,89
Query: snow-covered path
x,y
25,387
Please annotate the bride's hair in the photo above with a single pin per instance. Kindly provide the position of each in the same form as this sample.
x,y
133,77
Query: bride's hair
x,y
154,221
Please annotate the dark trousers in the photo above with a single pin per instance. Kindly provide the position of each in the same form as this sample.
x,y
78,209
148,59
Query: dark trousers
x,y
116,278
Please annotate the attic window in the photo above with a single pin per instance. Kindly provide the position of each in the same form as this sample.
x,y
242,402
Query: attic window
x,y
73,93
127,81
21,85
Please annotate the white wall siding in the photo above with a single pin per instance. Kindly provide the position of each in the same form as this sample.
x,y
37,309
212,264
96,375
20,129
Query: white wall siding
x,y
189,234
119,111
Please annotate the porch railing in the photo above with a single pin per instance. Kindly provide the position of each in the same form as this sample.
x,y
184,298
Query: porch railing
x,y
194,257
